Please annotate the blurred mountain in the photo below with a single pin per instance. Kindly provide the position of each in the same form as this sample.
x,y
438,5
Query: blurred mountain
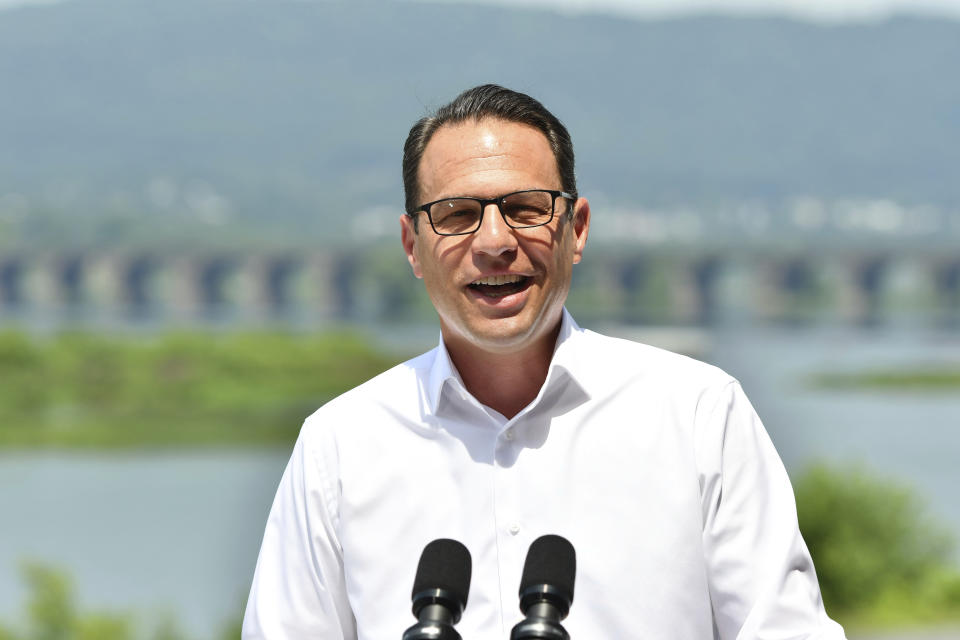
x,y
285,120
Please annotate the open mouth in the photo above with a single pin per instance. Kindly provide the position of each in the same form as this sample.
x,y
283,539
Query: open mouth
x,y
499,286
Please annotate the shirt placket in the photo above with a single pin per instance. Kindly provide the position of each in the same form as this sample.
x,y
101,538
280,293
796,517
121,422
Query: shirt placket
x,y
510,525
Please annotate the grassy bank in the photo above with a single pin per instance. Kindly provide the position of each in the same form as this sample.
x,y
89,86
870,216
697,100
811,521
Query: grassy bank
x,y
924,380
196,389
83,390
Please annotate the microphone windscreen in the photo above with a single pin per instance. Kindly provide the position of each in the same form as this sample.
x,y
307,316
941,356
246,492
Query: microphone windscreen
x,y
552,561
444,564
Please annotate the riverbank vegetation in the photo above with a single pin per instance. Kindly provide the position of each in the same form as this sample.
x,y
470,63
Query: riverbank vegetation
x,y
881,558
204,388
911,379
51,613
173,389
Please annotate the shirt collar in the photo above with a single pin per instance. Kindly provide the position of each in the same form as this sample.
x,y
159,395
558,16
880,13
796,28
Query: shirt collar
x,y
441,372
567,361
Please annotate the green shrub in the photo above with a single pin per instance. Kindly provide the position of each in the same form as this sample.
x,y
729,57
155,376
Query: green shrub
x,y
52,614
877,553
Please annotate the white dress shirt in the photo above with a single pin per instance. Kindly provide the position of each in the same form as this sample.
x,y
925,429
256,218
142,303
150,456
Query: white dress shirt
x,y
653,465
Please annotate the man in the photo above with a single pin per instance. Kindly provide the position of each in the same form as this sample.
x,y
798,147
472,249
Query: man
x,y
521,424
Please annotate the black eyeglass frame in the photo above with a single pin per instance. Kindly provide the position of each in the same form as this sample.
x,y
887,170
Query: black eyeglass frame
x,y
484,202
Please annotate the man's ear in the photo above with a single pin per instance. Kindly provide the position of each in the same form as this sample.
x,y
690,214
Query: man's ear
x,y
408,236
581,227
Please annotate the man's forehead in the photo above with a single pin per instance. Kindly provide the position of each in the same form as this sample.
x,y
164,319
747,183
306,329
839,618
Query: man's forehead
x,y
487,137
487,146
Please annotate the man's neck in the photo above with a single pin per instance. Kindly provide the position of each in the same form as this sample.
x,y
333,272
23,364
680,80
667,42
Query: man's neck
x,y
504,381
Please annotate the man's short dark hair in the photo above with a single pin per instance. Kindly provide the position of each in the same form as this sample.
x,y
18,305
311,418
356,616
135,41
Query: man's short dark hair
x,y
487,101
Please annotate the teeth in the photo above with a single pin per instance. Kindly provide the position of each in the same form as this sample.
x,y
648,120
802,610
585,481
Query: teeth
x,y
497,280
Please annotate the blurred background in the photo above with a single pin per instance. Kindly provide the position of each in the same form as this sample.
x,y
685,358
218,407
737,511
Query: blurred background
x,y
199,246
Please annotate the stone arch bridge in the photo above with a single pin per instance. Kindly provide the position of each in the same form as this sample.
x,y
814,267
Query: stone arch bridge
x,y
690,286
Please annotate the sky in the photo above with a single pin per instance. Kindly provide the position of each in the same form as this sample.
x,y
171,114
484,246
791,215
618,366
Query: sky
x,y
816,10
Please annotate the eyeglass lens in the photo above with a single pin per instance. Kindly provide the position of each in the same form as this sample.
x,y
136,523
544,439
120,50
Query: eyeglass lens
x,y
462,215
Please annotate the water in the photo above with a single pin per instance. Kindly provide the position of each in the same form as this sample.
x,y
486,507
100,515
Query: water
x,y
913,437
179,531
173,532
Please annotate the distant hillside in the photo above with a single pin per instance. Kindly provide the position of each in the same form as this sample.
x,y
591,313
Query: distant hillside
x,y
291,115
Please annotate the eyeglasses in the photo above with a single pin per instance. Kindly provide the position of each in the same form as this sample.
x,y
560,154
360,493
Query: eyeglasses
x,y
520,210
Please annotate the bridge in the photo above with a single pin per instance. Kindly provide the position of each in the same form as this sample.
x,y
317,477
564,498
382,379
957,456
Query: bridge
x,y
615,283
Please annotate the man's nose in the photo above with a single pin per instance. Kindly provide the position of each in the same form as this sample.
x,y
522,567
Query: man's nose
x,y
494,237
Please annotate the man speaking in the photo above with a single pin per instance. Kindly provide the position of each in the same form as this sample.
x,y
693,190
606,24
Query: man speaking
x,y
519,424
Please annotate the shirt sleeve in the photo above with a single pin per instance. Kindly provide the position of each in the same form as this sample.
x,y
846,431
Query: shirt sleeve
x,y
761,577
298,587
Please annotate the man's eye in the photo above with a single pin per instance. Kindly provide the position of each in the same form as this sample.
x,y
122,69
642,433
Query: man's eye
x,y
524,211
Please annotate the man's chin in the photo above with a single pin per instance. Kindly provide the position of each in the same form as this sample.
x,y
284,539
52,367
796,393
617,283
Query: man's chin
x,y
500,335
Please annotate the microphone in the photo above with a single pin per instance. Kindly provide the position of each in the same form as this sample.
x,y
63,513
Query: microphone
x,y
546,589
440,591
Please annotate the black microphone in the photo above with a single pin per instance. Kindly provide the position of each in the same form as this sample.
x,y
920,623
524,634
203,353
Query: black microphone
x,y
546,589
440,591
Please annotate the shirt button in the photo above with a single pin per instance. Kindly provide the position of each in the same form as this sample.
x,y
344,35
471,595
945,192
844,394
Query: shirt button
x,y
509,434
514,529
